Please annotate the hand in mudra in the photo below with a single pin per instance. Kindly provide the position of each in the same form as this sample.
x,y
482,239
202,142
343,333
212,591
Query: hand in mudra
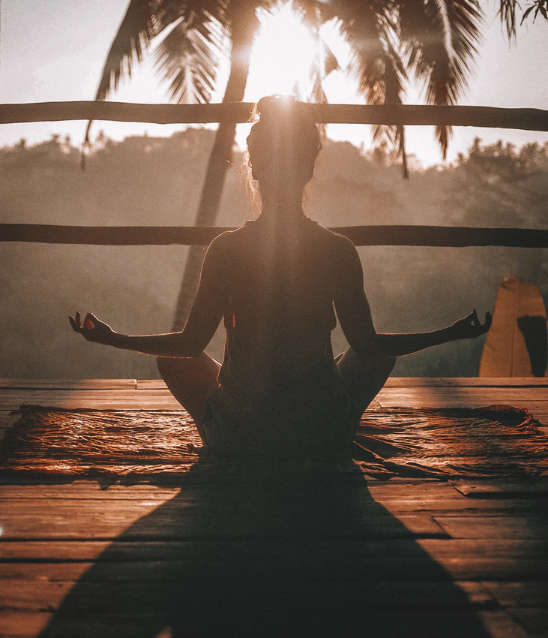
x,y
92,329
470,326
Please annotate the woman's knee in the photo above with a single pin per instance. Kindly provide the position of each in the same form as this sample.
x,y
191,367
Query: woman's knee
x,y
168,366
192,371
387,362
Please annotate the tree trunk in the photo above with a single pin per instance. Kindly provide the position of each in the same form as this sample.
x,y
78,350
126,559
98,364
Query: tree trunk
x,y
244,25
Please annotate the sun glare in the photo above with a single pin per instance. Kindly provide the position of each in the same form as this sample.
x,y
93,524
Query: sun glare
x,y
284,53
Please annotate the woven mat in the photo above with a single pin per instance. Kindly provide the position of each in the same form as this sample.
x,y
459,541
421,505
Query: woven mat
x,y
493,442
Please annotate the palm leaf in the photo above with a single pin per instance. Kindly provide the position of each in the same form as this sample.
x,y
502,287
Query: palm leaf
x,y
136,30
394,76
440,40
373,32
146,19
507,14
134,34
188,58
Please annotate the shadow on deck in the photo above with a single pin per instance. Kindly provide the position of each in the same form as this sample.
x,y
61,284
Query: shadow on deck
x,y
305,556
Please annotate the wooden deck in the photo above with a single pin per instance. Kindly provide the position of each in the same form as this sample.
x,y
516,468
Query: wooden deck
x,y
296,558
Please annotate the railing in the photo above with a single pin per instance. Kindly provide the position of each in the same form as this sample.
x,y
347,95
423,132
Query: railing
x,y
456,236
482,116
522,118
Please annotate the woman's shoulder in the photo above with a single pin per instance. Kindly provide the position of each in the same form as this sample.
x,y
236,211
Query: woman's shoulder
x,y
337,241
224,240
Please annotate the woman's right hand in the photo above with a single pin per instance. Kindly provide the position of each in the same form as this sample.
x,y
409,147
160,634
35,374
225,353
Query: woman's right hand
x,y
92,329
470,326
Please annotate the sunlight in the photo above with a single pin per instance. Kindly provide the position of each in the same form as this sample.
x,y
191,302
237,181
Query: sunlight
x,y
283,55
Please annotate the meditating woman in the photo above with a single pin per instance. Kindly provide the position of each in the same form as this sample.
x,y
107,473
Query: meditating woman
x,y
277,283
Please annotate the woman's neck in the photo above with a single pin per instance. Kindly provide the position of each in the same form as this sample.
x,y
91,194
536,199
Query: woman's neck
x,y
278,205
282,210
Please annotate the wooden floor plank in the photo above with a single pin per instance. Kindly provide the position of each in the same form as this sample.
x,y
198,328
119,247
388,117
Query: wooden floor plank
x,y
406,382
85,490
90,399
37,594
455,623
71,519
460,397
508,382
534,620
168,550
333,562
533,398
34,500
519,594
67,384
503,489
531,526
393,490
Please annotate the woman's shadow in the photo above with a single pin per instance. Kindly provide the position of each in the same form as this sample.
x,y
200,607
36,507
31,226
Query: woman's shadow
x,y
290,555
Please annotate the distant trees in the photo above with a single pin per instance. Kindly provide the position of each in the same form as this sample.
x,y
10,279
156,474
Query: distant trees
x,y
135,288
501,185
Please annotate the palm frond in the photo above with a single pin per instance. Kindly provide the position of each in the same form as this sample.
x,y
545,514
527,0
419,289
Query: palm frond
x,y
394,77
138,27
373,33
188,58
535,8
507,15
144,20
136,30
326,61
440,40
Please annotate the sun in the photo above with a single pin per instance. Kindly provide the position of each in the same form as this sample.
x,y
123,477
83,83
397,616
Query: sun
x,y
283,56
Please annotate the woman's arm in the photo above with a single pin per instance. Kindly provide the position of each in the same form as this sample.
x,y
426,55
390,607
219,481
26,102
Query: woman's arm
x,y
170,344
468,327
201,325
354,315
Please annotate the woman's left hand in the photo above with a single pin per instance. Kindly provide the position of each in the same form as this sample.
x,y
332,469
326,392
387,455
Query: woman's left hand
x,y
92,329
470,326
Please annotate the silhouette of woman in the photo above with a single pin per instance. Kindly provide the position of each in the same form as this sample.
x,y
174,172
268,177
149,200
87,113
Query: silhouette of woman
x,y
277,283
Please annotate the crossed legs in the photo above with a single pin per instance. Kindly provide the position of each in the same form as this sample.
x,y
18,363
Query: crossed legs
x,y
193,380
363,379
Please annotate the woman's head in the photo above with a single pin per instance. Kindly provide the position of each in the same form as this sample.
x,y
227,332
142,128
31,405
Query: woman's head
x,y
283,146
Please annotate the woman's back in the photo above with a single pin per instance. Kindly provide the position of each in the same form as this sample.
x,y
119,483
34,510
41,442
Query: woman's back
x,y
278,372
279,302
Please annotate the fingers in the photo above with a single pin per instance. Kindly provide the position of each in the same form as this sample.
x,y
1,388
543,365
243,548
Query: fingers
x,y
474,319
77,326
75,322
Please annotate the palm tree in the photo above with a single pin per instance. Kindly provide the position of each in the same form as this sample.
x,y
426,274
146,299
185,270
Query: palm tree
x,y
434,40
188,56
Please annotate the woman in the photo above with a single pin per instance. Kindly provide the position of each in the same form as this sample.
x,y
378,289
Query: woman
x,y
276,283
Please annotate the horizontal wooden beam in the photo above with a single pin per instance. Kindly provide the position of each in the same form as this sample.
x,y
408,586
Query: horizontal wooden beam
x,y
482,116
455,236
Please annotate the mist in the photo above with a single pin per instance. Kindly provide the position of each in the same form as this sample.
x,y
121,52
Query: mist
x,y
157,181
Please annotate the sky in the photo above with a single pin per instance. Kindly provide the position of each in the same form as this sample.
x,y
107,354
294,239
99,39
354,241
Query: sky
x,y
53,50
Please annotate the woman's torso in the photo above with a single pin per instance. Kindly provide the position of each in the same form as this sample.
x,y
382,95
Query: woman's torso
x,y
278,379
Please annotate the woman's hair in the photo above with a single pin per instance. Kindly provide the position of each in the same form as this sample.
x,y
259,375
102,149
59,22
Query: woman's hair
x,y
285,133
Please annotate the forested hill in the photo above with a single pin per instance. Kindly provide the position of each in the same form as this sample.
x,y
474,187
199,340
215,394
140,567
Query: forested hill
x,y
156,181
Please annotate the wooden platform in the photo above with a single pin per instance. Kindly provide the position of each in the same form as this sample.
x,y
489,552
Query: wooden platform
x,y
305,556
